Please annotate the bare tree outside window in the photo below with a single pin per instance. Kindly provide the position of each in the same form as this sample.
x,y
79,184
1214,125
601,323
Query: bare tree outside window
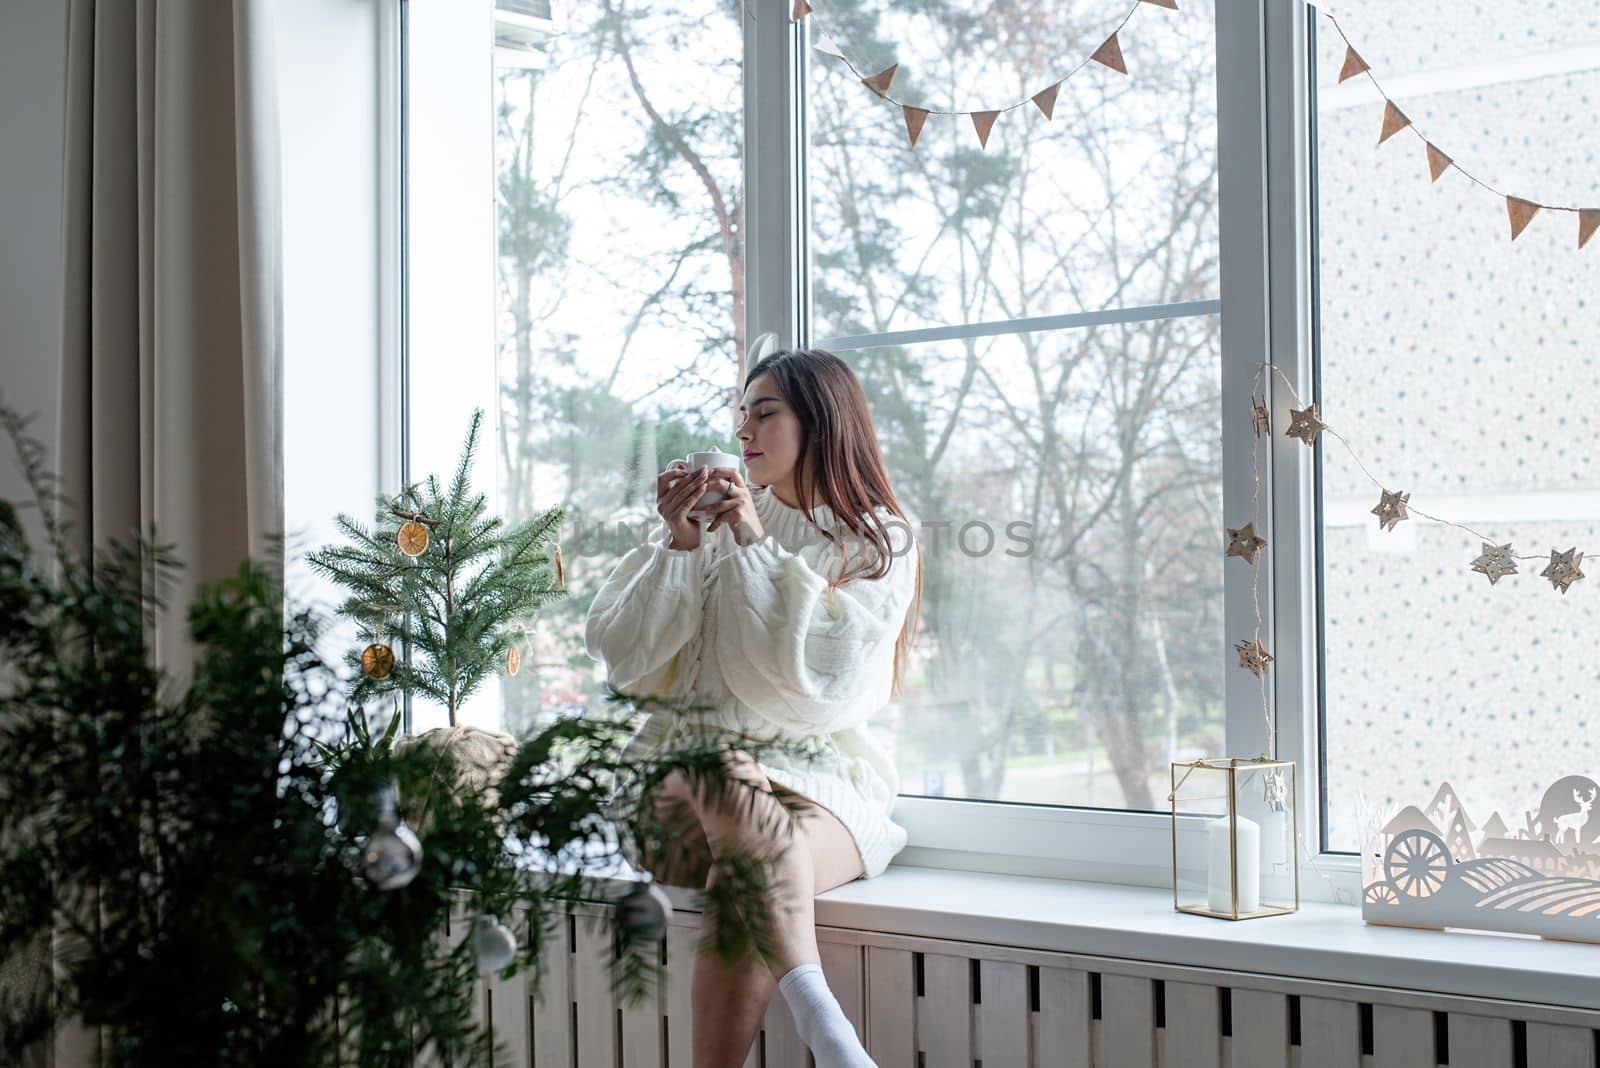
x,y
1072,672
1068,481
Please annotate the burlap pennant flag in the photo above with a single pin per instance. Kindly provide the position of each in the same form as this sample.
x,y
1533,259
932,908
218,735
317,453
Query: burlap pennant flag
x,y
1588,223
1394,120
1522,213
915,117
1438,162
824,44
879,82
1353,65
983,122
801,10
1046,100
1170,5
1110,54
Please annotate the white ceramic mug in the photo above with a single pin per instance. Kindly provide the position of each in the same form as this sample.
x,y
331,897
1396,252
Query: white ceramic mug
x,y
713,458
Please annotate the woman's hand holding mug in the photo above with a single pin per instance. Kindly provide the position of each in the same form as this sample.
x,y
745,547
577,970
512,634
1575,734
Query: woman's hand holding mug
x,y
737,510
677,491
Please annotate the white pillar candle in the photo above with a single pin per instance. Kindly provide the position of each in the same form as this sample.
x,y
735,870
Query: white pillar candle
x,y
1219,884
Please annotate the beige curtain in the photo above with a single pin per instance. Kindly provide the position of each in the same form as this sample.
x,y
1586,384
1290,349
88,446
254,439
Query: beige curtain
x,y
171,412
171,409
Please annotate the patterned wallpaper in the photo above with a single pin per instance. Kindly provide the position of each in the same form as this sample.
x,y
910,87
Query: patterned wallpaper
x,y
1461,366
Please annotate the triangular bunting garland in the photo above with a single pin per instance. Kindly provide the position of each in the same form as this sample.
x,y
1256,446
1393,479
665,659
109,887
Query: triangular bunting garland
x,y
824,44
983,122
1438,162
1353,65
1394,120
801,10
915,117
1046,100
1110,54
1170,5
879,82
1522,213
1588,223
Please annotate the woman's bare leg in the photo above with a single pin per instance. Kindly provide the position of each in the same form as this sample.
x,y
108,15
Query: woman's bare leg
x,y
730,1001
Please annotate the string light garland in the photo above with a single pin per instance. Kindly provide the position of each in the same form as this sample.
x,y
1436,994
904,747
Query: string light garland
x,y
1496,560
1520,211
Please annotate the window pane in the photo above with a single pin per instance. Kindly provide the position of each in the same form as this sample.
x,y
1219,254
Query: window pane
x,y
1068,489
1113,204
1445,353
619,184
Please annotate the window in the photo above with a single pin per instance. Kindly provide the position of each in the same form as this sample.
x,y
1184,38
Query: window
x,y
1439,352
608,201
1067,477
577,262
620,289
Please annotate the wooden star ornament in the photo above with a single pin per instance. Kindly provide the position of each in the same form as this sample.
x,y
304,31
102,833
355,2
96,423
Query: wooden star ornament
x,y
1496,561
1245,543
1563,569
1305,424
1391,510
1253,656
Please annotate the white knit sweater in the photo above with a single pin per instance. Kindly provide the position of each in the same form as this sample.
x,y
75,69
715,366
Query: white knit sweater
x,y
755,634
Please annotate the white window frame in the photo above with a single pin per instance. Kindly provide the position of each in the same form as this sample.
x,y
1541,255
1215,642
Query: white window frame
x,y
1262,98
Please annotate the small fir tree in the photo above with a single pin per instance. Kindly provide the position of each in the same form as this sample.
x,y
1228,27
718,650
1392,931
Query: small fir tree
x,y
212,878
457,605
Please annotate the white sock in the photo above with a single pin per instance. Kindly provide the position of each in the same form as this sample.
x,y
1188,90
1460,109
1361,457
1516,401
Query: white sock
x,y
822,1024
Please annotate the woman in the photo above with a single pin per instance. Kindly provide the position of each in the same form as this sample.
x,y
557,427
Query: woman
x,y
790,616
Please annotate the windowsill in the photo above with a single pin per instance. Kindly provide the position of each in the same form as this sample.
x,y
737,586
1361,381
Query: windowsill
x,y
1320,942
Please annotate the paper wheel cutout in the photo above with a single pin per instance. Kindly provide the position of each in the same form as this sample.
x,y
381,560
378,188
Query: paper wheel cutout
x,y
1381,894
1417,864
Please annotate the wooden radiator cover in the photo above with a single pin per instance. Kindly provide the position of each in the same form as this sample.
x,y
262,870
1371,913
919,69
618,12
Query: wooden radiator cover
x,y
929,1003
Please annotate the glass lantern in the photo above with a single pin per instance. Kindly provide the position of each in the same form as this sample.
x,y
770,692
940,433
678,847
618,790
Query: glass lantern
x,y
1235,838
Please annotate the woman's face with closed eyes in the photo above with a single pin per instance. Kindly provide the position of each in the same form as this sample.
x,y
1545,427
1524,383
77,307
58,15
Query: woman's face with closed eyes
x,y
769,434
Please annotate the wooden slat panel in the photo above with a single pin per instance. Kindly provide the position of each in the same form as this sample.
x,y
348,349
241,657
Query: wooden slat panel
x,y
1330,1033
784,1046
1194,1027
641,1028
508,1007
1260,1029
591,989
680,979
1402,1038
1003,1015
944,1019
842,965
1550,1046
1127,1021
891,1008
552,1003
1479,1041
1064,1035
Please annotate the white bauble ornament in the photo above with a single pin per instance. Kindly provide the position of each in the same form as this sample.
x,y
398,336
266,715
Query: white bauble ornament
x,y
644,911
393,856
494,944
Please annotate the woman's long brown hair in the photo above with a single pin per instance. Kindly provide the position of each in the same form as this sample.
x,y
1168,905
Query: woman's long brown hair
x,y
840,459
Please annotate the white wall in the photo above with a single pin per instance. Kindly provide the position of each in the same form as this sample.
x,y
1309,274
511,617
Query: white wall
x,y
328,64
33,39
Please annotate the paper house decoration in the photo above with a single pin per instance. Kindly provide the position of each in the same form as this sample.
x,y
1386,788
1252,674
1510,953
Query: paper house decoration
x,y
1542,880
